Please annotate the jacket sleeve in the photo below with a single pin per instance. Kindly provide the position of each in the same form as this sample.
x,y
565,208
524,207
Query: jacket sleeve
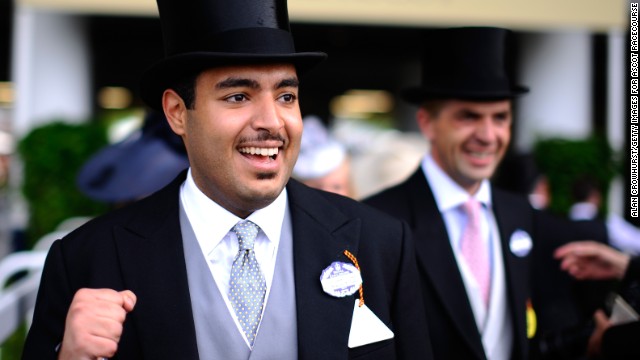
x,y
52,304
633,270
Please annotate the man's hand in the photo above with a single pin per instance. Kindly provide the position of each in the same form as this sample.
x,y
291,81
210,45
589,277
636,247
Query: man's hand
x,y
594,346
94,323
590,260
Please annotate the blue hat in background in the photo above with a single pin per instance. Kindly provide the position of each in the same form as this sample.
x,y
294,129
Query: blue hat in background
x,y
141,164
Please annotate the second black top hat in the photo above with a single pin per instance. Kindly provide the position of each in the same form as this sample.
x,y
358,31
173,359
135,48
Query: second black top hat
x,y
200,34
465,63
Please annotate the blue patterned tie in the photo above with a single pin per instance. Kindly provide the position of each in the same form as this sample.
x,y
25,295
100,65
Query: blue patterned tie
x,y
247,285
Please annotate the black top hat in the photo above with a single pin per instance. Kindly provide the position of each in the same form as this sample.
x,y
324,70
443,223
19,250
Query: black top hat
x,y
200,34
139,165
465,63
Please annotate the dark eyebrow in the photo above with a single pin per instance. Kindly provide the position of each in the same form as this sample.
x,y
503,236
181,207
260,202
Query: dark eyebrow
x,y
469,113
289,82
243,82
473,114
237,82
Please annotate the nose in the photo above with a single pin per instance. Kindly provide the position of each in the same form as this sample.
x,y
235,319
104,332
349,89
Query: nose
x,y
268,117
486,130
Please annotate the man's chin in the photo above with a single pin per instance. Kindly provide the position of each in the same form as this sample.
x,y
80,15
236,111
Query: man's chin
x,y
267,176
479,175
268,188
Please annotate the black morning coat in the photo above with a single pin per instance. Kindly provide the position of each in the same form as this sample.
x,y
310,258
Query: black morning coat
x,y
139,248
454,334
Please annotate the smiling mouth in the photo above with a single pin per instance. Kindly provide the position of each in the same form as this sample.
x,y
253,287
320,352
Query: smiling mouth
x,y
271,152
480,154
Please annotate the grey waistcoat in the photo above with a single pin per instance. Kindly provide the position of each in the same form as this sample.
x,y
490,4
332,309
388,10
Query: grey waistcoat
x,y
216,333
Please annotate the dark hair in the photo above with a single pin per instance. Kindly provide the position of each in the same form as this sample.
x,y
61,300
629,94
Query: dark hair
x,y
157,126
185,87
433,106
584,187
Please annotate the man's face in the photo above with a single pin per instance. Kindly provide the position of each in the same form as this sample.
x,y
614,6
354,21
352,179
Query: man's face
x,y
243,134
468,138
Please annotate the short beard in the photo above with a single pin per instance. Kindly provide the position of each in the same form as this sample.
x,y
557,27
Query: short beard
x,y
266,176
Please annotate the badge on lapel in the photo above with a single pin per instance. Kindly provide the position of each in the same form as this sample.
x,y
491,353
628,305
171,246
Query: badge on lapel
x,y
520,243
342,279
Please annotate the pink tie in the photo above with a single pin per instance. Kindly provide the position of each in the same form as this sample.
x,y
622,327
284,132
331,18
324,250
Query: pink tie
x,y
474,250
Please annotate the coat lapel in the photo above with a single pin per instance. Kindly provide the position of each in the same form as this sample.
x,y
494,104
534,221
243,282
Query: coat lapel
x,y
152,263
153,267
509,218
321,233
435,256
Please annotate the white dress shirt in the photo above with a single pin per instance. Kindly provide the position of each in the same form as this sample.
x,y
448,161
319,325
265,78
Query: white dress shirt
x,y
493,323
450,197
212,225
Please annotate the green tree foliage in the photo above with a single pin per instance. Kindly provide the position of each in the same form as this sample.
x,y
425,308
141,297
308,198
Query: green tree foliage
x,y
564,161
52,155
11,349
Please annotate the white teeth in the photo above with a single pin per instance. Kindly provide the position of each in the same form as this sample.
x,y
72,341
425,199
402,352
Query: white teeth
x,y
480,154
259,151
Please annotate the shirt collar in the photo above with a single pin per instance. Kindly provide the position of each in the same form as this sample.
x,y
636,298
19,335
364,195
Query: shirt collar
x,y
583,211
447,193
211,222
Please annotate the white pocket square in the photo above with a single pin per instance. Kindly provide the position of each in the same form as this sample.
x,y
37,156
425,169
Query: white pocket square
x,y
366,327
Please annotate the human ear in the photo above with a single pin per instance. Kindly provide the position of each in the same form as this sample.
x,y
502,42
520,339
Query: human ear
x,y
425,119
175,110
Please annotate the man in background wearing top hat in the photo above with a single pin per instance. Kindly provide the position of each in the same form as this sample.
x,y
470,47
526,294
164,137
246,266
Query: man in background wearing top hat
x,y
232,260
472,240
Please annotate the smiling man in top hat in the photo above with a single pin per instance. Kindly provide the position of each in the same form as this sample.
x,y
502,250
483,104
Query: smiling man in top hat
x,y
472,240
232,260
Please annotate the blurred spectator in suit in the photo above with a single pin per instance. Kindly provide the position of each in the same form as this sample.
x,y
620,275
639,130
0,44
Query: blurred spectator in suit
x,y
540,196
588,198
564,306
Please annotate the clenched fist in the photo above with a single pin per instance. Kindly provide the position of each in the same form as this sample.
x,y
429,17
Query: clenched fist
x,y
94,323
